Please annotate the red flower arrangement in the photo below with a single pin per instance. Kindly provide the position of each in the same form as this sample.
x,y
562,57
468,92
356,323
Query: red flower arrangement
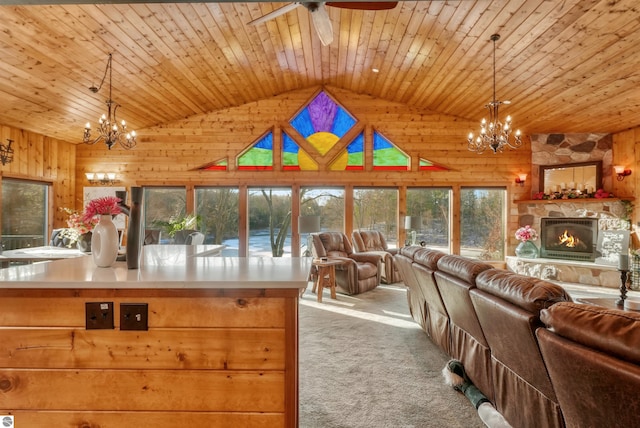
x,y
601,194
107,205
526,233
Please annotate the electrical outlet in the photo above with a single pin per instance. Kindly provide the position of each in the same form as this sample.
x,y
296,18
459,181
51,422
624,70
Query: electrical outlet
x,y
99,315
134,316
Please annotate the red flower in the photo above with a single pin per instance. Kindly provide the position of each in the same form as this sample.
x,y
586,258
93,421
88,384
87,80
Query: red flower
x,y
107,205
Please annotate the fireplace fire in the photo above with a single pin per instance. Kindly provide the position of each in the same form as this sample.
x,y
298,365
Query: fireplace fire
x,y
569,238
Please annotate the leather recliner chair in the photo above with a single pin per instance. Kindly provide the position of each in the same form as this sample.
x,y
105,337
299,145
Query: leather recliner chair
x,y
508,306
455,277
372,241
360,272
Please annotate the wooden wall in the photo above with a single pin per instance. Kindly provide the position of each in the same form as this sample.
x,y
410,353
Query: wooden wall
x,y
172,153
626,152
45,159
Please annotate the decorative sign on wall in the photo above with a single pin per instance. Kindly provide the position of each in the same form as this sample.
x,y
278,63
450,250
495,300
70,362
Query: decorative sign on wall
x,y
612,243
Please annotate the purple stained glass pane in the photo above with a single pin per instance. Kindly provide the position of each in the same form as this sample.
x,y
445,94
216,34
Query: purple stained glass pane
x,y
322,111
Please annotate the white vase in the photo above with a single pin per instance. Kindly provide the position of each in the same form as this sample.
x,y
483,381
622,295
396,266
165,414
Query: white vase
x,y
104,242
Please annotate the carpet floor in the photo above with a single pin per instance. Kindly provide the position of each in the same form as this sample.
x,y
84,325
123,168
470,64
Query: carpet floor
x,y
365,363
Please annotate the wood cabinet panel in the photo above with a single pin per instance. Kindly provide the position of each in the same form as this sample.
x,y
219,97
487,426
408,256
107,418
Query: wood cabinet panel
x,y
39,419
128,390
204,362
210,349
163,312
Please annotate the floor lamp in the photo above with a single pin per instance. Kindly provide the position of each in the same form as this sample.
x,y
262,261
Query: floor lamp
x,y
413,224
308,224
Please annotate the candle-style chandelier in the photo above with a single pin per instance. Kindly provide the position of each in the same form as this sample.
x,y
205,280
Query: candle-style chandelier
x,y
493,133
6,153
109,129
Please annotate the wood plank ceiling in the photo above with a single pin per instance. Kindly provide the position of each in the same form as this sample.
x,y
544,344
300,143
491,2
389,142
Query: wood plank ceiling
x,y
566,66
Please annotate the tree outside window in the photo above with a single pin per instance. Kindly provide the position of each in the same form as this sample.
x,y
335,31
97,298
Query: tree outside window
x,y
482,223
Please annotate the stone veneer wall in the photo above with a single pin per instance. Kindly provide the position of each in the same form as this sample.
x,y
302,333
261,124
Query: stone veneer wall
x,y
612,214
555,149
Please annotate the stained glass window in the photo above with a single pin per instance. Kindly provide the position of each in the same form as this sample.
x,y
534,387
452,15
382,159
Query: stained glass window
x,y
387,156
294,158
351,159
323,123
220,165
259,156
426,165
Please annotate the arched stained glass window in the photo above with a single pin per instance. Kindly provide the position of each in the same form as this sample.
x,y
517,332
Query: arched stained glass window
x,y
259,156
294,158
387,156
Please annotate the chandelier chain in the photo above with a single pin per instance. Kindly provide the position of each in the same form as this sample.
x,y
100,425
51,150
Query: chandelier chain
x,y
494,134
109,130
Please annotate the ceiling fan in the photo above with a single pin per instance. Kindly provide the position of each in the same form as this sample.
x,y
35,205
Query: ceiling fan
x,y
320,17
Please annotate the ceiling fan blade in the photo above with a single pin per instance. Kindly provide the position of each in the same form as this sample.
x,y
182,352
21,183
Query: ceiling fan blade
x,y
371,5
275,13
322,23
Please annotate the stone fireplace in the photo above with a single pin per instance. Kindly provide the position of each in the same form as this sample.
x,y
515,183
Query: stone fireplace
x,y
568,238
599,214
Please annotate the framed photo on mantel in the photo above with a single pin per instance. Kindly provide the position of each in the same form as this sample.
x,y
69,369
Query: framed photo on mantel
x,y
612,244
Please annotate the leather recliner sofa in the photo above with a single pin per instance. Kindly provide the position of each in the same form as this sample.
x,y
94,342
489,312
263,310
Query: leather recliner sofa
x,y
543,360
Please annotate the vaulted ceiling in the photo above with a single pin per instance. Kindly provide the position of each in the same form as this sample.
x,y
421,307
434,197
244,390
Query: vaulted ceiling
x,y
565,65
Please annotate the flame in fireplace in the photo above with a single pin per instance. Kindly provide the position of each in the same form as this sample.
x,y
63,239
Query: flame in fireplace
x,y
568,240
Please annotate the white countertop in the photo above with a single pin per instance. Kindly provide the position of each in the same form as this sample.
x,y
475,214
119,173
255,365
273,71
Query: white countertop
x,y
163,267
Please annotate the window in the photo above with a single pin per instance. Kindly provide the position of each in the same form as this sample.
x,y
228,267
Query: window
x,y
431,205
24,214
270,222
377,209
482,223
326,202
165,209
217,208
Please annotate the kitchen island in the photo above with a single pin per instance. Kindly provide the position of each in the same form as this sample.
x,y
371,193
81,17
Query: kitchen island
x,y
185,340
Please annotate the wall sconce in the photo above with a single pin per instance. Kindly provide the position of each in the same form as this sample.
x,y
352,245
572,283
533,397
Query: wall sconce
x,y
622,173
521,179
6,153
104,178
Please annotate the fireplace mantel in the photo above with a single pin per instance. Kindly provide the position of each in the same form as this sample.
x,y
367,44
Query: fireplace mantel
x,y
574,200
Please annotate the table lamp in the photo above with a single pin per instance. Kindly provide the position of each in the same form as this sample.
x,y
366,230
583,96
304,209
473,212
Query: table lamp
x,y
308,224
412,224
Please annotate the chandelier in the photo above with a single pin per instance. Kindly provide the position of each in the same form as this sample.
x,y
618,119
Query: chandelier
x,y
493,133
6,153
109,130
